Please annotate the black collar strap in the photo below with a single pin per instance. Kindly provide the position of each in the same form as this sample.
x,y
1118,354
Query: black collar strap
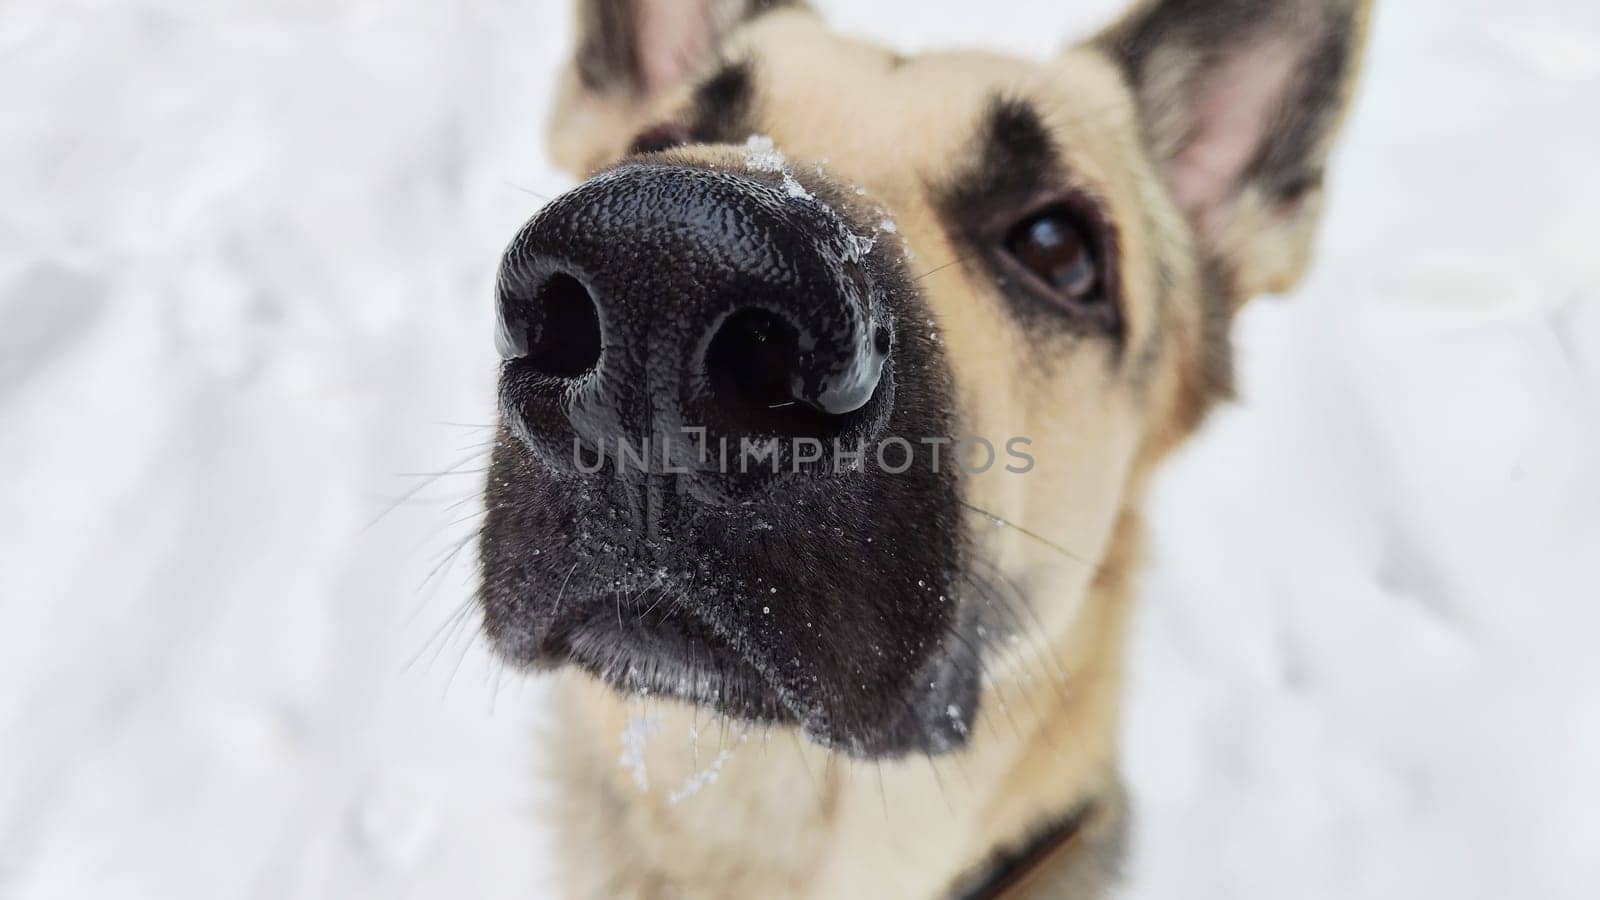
x,y
1014,872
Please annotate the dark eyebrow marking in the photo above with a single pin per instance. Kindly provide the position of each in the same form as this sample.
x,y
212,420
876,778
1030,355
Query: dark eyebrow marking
x,y
1009,160
723,104
1018,138
1012,157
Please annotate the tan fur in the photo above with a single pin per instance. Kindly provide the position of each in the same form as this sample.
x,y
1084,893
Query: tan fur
x,y
785,818
594,128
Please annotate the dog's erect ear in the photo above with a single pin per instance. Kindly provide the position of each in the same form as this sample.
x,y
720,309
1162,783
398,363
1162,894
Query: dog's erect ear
x,y
1239,101
629,53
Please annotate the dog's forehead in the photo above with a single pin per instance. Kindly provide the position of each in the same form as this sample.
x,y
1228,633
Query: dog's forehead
x,y
906,123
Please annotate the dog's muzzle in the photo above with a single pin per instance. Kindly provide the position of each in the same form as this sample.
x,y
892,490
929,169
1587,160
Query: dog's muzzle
x,y
687,352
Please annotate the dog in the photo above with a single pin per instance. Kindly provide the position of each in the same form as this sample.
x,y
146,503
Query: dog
x,y
829,400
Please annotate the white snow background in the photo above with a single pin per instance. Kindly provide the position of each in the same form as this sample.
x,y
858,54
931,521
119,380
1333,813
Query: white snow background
x,y
246,249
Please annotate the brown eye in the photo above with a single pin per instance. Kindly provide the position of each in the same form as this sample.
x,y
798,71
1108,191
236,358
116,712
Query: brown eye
x,y
1053,246
660,137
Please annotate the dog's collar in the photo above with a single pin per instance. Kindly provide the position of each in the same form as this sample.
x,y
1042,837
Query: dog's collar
x,y
1014,872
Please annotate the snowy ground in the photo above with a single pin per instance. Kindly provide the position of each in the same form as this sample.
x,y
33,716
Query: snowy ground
x,y
245,252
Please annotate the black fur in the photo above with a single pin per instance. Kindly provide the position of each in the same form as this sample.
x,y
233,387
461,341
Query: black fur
x,y
723,110
1011,157
1073,853
827,600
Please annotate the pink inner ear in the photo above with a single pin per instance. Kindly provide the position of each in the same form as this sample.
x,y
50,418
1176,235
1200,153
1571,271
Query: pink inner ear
x,y
674,36
1231,114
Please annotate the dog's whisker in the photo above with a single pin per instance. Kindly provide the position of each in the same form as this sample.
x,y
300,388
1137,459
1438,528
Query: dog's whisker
x,y
1026,532
442,527
465,519
1041,650
988,592
1047,651
449,558
939,780
426,645
529,191
563,592
444,474
471,638
967,257
805,764
440,638
470,498
492,678
421,486
661,594
883,795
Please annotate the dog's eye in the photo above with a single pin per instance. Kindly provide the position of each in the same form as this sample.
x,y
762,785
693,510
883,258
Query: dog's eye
x,y
660,137
1057,248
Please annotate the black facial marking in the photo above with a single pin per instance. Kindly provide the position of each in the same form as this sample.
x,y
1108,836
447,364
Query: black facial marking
x,y
723,106
720,112
1014,153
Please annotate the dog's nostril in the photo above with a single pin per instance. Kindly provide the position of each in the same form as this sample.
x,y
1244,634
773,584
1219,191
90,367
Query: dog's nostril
x,y
556,330
752,360
758,371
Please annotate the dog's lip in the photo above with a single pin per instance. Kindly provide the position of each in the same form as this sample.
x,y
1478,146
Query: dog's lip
x,y
675,653
659,657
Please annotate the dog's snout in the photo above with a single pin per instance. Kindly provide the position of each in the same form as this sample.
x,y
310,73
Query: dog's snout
x,y
655,301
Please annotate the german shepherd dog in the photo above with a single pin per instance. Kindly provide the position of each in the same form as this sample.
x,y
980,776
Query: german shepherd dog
x,y
829,402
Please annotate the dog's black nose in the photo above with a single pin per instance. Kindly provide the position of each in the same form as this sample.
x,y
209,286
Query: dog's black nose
x,y
655,301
